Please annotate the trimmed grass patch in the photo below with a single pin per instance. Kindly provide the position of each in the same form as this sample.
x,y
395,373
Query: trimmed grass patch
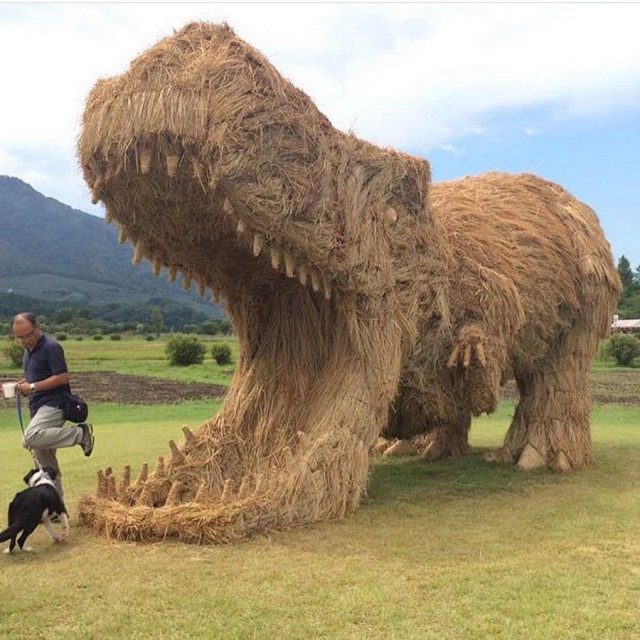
x,y
456,549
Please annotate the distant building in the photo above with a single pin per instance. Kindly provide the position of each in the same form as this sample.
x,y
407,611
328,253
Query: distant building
x,y
625,326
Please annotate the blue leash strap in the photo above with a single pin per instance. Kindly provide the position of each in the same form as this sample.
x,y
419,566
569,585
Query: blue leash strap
x,y
19,405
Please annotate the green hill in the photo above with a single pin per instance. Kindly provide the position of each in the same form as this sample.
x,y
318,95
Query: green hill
x,y
53,253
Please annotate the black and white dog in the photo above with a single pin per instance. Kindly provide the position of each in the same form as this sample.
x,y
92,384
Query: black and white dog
x,y
37,504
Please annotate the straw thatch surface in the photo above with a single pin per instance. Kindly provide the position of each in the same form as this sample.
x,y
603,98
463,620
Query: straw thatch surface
x,y
532,288
345,292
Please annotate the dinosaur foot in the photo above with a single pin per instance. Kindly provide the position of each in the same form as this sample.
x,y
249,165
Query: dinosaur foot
x,y
531,458
435,445
395,447
195,497
440,443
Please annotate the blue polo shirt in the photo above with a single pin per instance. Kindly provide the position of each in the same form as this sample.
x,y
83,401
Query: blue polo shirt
x,y
46,359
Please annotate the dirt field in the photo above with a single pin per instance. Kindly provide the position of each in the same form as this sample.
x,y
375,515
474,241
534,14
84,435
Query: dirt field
x,y
616,386
100,386
620,386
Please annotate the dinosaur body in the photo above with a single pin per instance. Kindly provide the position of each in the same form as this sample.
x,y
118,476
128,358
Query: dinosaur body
x,y
347,293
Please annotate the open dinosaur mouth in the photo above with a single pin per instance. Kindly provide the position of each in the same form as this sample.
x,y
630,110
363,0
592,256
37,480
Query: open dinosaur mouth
x,y
179,217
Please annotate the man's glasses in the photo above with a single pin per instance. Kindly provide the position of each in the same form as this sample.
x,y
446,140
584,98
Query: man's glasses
x,y
26,336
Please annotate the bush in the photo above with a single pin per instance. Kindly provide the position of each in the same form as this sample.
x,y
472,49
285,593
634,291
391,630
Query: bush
x,y
150,338
13,352
79,338
61,337
115,336
221,353
185,350
98,336
624,348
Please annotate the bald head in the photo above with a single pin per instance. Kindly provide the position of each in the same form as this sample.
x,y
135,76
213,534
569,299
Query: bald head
x,y
26,329
24,319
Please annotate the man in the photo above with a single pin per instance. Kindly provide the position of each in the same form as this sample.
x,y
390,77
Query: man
x,y
46,383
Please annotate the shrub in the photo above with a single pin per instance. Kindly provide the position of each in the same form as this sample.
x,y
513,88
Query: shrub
x,y
98,336
13,352
185,350
61,337
624,348
150,338
115,336
221,353
79,338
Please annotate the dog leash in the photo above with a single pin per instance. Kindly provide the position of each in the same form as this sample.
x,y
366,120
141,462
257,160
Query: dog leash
x,y
19,408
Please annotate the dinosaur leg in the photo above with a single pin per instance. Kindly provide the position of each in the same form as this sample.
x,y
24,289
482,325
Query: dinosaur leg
x,y
551,422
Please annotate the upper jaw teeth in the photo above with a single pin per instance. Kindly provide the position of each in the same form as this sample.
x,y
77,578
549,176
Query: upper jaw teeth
x,y
146,156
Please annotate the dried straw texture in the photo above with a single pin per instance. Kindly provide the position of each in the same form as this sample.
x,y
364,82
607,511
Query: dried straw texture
x,y
344,290
532,287
323,249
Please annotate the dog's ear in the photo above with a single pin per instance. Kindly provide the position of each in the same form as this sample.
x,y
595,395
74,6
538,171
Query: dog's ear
x,y
29,476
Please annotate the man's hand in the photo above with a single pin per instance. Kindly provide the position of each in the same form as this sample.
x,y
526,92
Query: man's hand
x,y
24,388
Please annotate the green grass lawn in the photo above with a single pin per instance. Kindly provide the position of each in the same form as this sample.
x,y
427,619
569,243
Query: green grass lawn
x,y
456,549
135,356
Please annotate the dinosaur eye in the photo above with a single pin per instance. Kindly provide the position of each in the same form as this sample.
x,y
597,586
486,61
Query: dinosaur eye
x,y
390,216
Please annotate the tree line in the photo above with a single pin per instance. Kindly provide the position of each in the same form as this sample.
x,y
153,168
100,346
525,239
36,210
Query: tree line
x,y
629,306
158,315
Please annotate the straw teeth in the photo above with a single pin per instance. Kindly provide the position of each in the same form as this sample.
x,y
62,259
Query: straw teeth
x,y
327,289
315,280
156,267
302,274
258,241
173,274
138,254
289,265
145,156
172,164
275,258
122,235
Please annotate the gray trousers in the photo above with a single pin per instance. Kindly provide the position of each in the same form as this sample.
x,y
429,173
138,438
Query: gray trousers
x,y
46,433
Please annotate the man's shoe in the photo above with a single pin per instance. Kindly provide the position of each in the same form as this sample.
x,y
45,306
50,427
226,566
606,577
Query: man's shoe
x,y
88,440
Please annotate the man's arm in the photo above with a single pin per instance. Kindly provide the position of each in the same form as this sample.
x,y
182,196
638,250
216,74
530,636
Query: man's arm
x,y
45,385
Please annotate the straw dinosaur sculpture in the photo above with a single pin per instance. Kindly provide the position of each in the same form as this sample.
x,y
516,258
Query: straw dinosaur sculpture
x,y
364,300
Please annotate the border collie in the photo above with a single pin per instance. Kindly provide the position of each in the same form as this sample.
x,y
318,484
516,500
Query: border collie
x,y
37,504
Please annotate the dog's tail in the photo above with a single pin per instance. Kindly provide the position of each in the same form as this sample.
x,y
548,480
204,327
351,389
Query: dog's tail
x,y
10,532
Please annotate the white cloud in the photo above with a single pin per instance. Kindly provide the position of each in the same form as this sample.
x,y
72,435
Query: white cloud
x,y
452,149
409,75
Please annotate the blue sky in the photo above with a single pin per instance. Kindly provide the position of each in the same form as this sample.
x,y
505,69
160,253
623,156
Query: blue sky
x,y
549,88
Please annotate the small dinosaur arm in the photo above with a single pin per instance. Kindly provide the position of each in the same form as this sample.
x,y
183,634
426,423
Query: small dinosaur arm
x,y
347,290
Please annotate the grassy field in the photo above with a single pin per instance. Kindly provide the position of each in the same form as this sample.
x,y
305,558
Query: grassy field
x,y
133,355
456,549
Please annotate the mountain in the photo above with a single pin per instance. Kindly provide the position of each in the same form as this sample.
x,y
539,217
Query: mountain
x,y
51,252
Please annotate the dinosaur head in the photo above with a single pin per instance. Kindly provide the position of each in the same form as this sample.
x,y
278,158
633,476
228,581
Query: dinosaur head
x,y
214,166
